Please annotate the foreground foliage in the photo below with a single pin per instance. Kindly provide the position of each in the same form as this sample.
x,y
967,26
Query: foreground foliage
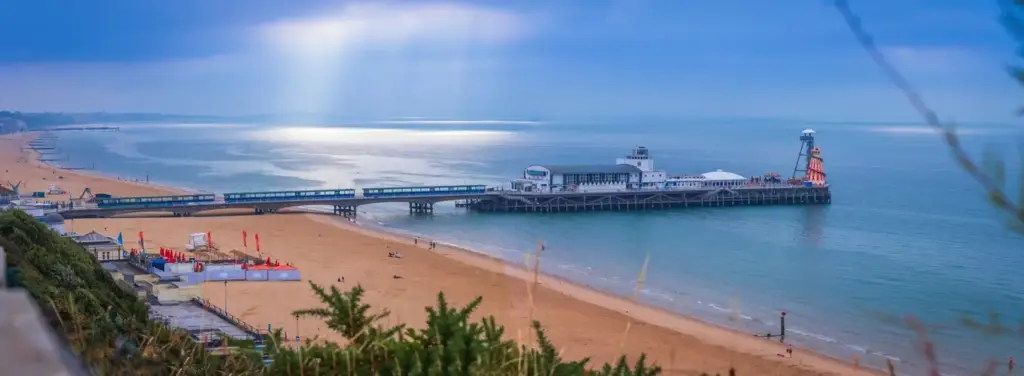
x,y
110,330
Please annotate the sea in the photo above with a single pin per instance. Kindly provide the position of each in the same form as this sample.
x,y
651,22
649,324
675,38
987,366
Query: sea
x,y
909,236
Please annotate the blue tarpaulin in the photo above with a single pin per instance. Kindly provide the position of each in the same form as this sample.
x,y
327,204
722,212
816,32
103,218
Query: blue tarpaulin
x,y
256,275
284,275
193,277
225,275
158,264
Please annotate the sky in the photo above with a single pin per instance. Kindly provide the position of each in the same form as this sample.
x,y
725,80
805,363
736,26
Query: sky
x,y
529,59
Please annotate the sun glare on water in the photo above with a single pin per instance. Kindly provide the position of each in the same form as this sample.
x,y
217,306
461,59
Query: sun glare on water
x,y
379,136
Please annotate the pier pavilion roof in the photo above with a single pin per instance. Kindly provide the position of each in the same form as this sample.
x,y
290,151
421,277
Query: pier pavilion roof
x,y
94,237
722,175
592,169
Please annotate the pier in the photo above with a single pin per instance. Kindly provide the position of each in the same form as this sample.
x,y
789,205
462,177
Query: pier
x,y
639,200
481,200
632,183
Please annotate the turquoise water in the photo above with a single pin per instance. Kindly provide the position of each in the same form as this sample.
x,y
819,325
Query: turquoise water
x,y
908,232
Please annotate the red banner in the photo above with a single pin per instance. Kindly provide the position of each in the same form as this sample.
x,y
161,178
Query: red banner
x,y
257,242
209,240
245,239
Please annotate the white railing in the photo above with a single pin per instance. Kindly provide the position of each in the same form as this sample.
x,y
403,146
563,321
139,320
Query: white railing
x,y
672,189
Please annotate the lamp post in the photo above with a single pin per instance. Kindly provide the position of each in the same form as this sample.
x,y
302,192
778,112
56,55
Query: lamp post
x,y
782,327
225,296
296,328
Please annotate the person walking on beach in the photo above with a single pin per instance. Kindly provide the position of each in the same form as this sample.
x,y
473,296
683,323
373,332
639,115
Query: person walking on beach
x,y
1010,365
789,349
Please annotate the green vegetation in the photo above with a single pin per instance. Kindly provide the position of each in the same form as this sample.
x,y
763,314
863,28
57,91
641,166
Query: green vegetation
x,y
109,329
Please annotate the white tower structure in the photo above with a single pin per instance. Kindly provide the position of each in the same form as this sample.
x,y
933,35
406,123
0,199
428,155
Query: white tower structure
x,y
641,158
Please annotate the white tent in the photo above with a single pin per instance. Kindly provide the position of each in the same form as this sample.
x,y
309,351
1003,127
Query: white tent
x,y
197,241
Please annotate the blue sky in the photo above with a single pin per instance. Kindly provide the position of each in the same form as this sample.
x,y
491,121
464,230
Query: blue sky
x,y
565,59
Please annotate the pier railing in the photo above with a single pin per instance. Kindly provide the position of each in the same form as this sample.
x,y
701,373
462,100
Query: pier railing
x,y
249,329
658,189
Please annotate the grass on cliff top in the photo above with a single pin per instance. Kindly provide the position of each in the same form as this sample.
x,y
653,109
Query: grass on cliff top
x,y
110,331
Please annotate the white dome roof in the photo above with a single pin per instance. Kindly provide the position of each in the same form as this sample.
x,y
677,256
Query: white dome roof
x,y
722,175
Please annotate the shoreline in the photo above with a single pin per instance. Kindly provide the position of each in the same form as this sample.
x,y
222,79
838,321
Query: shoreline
x,y
715,335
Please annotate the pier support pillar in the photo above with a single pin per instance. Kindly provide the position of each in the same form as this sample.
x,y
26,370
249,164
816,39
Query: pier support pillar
x,y
345,211
467,203
421,208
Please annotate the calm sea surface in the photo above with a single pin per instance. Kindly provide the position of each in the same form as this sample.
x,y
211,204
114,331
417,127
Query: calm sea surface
x,y
908,232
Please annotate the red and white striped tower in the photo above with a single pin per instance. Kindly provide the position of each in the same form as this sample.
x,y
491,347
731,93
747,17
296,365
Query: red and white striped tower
x,y
815,169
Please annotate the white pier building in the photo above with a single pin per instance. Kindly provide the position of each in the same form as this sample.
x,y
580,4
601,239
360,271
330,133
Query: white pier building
x,y
633,172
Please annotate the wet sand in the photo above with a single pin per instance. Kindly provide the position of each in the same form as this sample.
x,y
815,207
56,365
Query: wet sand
x,y
579,320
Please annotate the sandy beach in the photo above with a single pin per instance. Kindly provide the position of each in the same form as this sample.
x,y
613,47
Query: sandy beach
x,y
581,321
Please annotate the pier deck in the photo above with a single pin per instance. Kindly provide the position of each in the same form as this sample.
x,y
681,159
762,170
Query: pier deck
x,y
512,201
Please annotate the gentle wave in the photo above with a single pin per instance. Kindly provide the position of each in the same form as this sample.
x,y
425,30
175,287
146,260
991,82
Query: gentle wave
x,y
673,300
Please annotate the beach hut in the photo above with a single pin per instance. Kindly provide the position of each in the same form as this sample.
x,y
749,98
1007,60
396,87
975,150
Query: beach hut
x,y
103,247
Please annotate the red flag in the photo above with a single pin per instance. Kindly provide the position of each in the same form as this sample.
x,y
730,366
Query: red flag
x,y
142,241
257,242
245,239
209,240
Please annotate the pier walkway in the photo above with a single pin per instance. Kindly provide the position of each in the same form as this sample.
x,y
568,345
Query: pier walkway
x,y
421,200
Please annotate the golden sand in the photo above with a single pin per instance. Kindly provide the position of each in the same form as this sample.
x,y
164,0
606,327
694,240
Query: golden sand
x,y
579,320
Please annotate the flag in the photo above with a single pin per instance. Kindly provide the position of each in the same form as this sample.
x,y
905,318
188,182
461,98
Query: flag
x,y
142,241
257,242
209,239
245,239
120,239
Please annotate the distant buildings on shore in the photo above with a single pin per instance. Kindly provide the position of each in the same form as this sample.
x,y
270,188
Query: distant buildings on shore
x,y
12,125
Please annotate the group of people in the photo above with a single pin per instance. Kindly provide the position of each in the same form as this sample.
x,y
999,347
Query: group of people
x,y
431,245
